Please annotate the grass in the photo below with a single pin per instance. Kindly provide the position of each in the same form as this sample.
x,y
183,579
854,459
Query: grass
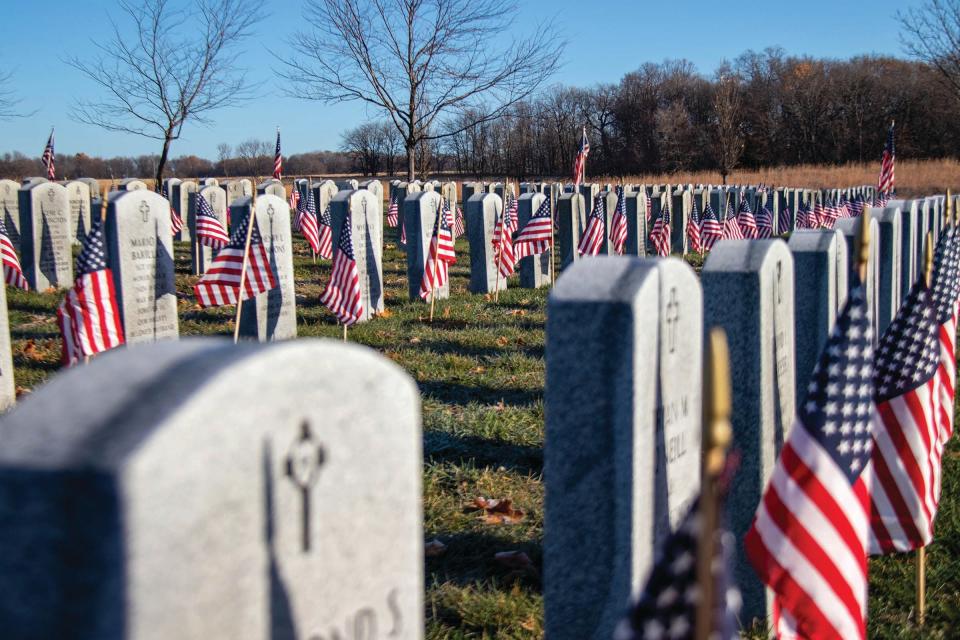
x,y
480,368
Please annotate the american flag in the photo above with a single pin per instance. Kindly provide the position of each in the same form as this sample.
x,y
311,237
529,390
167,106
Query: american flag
x,y
210,231
503,245
580,163
221,283
649,208
667,606
693,228
784,220
326,234
660,234
618,224
594,235
803,217
88,317
513,220
764,223
817,218
12,273
176,224
856,207
808,539
829,214
48,159
946,288
746,221
905,434
307,220
436,271
881,200
459,224
278,159
731,230
710,230
393,212
537,235
295,199
887,181
342,294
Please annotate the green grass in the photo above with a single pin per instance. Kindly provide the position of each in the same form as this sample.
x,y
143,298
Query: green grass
x,y
480,368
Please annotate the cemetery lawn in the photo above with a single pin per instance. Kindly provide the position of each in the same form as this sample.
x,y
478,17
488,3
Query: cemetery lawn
x,y
480,369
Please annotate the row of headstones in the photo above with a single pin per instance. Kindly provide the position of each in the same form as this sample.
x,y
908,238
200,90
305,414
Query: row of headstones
x,y
626,481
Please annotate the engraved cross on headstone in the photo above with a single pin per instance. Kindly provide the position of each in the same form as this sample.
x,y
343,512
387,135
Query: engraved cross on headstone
x,y
144,210
673,317
779,282
304,460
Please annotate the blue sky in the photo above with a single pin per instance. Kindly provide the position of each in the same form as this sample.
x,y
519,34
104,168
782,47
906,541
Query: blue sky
x,y
606,38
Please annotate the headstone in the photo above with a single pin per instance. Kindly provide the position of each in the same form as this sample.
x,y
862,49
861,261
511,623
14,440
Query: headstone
x,y
589,191
373,186
201,490
169,183
96,197
271,315
615,491
748,290
636,204
405,190
848,226
210,182
201,256
481,212
34,180
272,187
534,270
820,291
181,204
140,255
347,185
131,184
910,243
8,393
79,195
888,263
449,192
238,189
366,216
571,221
470,189
46,235
10,209
680,205
323,193
420,215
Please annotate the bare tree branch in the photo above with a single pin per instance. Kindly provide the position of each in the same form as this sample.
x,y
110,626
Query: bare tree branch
x,y
166,67
424,63
932,35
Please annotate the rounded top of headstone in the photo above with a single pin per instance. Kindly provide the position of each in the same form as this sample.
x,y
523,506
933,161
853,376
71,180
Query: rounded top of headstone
x,y
78,187
814,240
848,226
483,196
745,255
616,278
137,199
186,185
888,214
430,196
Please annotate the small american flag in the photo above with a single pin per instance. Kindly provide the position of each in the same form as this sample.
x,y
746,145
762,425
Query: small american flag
x,y
887,181
512,218
946,289
784,221
436,272
618,224
176,224
503,245
693,228
667,606
88,317
829,215
393,212
856,207
904,501
803,217
731,230
764,223
342,294
710,230
746,221
808,540
459,224
48,159
210,231
12,273
537,235
221,283
660,234
580,163
295,196
307,221
594,235
326,234
278,159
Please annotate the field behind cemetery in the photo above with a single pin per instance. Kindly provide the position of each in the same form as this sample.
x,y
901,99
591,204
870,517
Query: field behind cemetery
x,y
480,368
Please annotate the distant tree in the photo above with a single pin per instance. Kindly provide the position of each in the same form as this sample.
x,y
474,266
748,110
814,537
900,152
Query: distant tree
x,y
224,151
728,128
255,155
8,98
419,61
366,144
191,166
932,35
169,67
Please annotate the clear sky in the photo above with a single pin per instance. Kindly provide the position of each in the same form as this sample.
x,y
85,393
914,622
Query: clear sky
x,y
606,39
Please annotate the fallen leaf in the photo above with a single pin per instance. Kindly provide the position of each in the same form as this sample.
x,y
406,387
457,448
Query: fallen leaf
x,y
50,290
30,350
516,560
434,548
22,391
386,313
446,312
477,370
503,341
414,340
488,297
500,406
517,312
496,511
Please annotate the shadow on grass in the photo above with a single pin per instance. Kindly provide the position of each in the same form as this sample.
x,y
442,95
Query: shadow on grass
x,y
462,394
440,447
469,559
442,347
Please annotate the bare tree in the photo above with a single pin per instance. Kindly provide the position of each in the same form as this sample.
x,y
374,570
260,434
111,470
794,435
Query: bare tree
x,y
419,61
168,67
224,151
9,99
365,144
254,154
932,35
728,127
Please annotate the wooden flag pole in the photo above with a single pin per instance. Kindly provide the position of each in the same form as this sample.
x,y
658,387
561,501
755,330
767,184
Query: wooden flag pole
x,y
496,288
922,551
345,332
553,230
717,435
243,273
863,244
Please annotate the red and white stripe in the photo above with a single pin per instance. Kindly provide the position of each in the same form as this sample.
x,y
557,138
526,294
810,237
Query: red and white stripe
x,y
221,283
12,272
89,318
211,232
